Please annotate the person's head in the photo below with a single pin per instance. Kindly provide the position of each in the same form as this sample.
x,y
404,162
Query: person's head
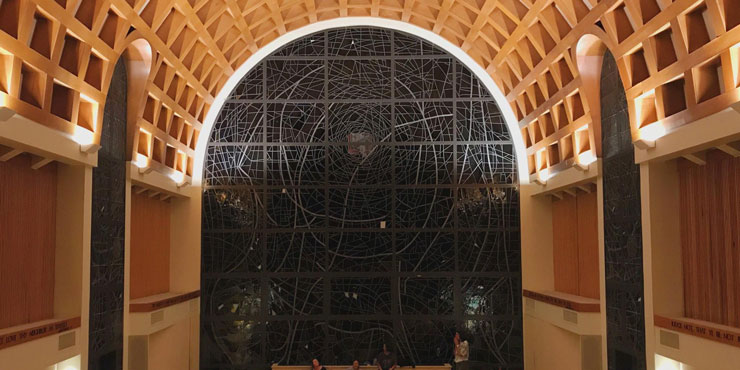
x,y
461,335
315,363
356,364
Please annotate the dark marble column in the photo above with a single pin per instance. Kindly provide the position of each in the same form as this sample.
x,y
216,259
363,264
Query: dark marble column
x,y
108,232
622,228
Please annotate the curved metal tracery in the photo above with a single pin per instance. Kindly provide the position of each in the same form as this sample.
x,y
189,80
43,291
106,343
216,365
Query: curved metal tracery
x,y
360,187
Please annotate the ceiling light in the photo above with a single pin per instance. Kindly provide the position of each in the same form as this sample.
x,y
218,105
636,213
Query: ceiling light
x,y
652,132
543,175
142,162
586,158
86,139
178,177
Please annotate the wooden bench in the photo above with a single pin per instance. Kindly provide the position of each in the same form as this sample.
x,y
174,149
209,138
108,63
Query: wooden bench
x,y
344,367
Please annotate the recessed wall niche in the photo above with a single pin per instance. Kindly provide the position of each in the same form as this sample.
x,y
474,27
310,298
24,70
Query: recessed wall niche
x,y
694,279
28,242
360,186
575,244
708,224
150,246
70,59
33,85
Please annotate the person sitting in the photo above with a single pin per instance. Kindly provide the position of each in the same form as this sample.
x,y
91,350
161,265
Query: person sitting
x,y
386,360
462,352
355,365
315,365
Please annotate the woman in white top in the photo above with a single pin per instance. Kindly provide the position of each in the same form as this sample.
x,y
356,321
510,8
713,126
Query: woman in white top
x,y
462,353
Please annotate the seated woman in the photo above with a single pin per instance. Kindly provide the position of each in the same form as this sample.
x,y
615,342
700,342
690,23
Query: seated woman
x,y
355,366
315,365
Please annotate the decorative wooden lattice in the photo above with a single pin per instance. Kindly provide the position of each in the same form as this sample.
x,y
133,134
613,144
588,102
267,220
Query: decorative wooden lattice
x,y
678,61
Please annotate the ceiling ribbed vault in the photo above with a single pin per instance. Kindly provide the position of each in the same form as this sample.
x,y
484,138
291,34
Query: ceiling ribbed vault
x,y
678,61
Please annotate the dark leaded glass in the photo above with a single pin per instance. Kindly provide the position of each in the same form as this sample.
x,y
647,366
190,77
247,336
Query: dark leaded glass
x,y
360,187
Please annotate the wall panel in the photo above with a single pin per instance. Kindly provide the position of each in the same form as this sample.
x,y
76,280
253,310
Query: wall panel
x,y
710,236
27,241
588,245
565,245
150,246
167,348
550,347
575,245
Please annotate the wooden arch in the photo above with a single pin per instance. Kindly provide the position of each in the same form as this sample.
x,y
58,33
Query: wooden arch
x,y
138,58
589,57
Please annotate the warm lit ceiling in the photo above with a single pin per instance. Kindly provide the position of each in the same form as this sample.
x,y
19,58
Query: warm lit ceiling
x,y
678,61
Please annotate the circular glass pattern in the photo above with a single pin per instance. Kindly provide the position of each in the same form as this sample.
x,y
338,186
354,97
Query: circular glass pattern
x,y
360,187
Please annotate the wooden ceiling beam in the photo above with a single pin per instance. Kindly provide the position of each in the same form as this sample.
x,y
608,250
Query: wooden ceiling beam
x,y
570,191
7,153
197,45
159,46
444,12
203,34
277,17
37,162
242,25
562,47
732,149
519,32
311,8
586,188
699,158
480,20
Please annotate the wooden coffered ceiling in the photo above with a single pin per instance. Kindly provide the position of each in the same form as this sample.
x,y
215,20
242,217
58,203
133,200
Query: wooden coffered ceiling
x,y
679,60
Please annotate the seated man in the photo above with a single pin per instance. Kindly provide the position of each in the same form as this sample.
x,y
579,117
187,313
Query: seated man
x,y
355,365
386,360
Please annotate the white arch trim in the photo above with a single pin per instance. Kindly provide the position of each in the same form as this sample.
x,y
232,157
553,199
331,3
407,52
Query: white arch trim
x,y
254,59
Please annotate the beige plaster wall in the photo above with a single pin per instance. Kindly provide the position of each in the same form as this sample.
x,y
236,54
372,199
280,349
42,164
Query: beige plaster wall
x,y
550,348
168,348
536,232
